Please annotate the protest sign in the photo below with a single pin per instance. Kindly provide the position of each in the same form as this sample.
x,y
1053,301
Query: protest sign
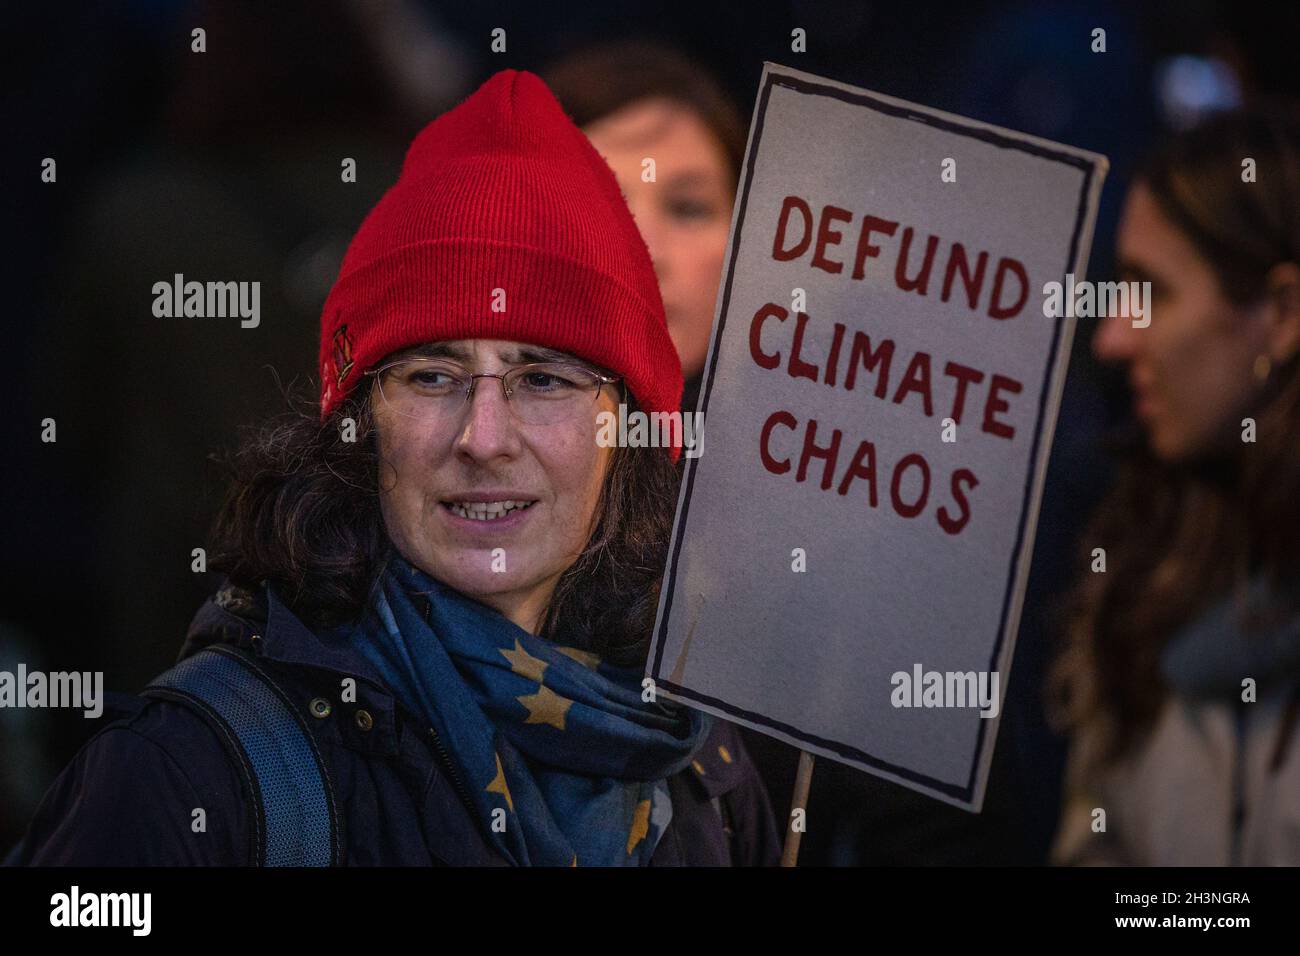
x,y
851,549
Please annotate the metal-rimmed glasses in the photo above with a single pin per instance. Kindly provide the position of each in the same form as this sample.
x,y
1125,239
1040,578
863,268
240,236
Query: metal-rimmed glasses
x,y
538,393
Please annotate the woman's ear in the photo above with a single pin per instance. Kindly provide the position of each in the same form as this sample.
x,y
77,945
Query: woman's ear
x,y
1282,294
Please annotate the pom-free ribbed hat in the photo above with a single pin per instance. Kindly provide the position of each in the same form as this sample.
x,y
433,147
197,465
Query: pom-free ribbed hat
x,y
503,192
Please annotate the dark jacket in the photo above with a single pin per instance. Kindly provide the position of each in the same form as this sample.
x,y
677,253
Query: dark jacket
x,y
130,795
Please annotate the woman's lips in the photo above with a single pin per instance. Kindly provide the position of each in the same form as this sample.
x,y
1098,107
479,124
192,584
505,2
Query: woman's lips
x,y
478,516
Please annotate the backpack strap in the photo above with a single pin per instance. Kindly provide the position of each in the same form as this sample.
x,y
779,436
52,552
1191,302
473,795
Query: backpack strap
x,y
294,818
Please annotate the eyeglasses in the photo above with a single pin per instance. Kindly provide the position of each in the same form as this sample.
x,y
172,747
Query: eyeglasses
x,y
539,393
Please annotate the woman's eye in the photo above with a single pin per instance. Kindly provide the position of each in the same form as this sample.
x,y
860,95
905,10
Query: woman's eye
x,y
691,209
431,379
546,382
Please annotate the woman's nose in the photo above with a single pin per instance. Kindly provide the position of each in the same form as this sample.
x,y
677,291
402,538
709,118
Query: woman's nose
x,y
652,231
1116,340
488,428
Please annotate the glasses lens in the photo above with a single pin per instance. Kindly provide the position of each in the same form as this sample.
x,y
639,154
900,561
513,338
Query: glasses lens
x,y
544,394
424,388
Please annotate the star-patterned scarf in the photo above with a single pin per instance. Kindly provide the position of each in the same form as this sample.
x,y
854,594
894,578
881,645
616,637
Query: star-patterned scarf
x,y
564,762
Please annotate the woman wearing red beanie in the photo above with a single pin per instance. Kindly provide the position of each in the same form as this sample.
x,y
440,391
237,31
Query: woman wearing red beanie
x,y
440,585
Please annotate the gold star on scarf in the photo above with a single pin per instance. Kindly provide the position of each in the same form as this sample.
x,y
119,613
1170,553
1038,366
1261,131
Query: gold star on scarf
x,y
545,707
498,784
640,825
585,658
524,664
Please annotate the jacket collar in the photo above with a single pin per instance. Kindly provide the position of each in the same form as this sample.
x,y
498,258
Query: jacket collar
x,y
263,623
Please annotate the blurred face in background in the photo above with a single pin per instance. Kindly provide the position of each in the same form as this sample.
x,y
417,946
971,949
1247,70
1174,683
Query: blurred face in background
x,y
684,215
1192,369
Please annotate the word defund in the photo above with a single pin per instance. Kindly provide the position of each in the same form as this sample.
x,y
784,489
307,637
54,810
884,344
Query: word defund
x,y
946,689
60,689
103,909
1007,282
1088,300
209,300
655,430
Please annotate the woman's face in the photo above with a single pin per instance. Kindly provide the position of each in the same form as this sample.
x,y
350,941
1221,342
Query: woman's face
x,y
1191,369
684,215
482,453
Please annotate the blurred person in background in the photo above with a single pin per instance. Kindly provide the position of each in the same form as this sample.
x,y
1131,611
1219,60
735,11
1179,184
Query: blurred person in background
x,y
637,100
1180,679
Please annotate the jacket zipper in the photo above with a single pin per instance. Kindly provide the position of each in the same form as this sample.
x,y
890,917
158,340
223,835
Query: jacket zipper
x,y
452,772
456,782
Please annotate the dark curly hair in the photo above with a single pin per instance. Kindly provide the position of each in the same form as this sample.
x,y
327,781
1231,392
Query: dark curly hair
x,y
302,512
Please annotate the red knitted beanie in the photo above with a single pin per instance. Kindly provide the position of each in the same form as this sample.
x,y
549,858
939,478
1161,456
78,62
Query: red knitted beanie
x,y
505,193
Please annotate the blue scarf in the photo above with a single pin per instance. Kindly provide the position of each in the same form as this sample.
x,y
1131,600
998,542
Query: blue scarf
x,y
562,759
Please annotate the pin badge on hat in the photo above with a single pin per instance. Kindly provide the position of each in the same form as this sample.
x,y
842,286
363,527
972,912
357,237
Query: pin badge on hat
x,y
342,354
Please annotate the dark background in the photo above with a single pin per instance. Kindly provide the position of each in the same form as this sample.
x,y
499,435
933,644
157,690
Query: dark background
x,y
226,165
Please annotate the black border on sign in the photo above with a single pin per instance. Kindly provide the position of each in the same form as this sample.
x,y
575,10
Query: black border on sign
x,y
866,101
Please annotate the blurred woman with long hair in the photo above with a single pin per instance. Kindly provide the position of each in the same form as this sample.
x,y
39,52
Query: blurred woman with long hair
x,y
1180,678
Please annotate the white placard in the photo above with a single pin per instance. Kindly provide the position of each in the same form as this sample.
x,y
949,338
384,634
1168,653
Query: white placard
x,y
885,273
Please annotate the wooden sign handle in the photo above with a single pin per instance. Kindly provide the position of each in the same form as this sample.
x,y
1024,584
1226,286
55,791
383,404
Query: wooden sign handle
x,y
799,801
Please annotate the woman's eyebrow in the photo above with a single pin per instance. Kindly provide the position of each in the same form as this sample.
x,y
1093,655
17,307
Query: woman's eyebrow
x,y
457,351
538,353
693,177
437,350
